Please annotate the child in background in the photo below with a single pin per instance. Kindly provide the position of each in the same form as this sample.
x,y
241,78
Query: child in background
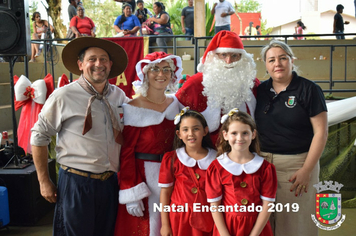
x,y
299,29
142,12
240,177
182,177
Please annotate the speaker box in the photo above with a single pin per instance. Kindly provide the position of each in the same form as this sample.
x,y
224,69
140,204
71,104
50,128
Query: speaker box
x,y
26,205
15,29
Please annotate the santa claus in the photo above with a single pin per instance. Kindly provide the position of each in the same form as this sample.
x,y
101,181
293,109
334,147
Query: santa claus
x,y
226,80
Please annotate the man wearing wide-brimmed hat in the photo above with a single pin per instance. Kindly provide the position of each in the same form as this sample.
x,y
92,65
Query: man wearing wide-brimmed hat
x,y
84,115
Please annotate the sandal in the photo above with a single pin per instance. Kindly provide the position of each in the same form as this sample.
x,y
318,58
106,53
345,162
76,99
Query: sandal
x,y
38,53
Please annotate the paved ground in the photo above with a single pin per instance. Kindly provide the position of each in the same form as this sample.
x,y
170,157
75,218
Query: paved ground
x,y
44,227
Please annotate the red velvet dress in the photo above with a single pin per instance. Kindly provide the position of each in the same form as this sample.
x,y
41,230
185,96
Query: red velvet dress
x,y
145,131
245,185
191,95
187,191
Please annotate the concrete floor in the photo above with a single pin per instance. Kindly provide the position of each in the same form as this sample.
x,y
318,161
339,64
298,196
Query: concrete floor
x,y
44,227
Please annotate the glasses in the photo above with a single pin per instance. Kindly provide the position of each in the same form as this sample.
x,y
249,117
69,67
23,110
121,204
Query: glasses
x,y
268,106
233,56
164,70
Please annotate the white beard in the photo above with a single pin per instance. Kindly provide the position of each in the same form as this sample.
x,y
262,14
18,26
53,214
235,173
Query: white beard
x,y
228,86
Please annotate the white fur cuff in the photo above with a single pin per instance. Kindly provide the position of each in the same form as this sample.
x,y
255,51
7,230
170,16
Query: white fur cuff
x,y
134,194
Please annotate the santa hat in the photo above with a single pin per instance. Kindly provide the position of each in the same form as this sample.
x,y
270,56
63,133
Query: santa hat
x,y
154,58
224,41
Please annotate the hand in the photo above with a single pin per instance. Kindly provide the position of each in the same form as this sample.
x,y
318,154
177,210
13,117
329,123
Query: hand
x,y
135,208
166,230
300,181
224,14
347,22
48,191
183,30
151,20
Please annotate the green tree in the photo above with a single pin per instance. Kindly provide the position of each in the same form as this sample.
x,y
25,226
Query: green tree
x,y
252,6
54,11
103,13
174,9
264,29
248,6
33,7
209,21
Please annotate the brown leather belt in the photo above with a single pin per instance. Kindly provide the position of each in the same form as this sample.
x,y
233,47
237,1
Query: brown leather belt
x,y
103,176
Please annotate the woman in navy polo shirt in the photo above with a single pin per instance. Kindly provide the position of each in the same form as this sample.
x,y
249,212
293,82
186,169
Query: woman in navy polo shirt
x,y
291,117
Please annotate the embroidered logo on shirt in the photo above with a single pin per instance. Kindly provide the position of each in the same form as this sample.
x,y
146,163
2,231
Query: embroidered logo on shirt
x,y
291,102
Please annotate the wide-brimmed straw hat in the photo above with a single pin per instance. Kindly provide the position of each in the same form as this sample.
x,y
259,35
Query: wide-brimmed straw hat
x,y
118,56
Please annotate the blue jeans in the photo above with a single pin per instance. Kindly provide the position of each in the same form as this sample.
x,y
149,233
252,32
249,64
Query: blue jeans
x,y
341,35
220,28
189,31
161,41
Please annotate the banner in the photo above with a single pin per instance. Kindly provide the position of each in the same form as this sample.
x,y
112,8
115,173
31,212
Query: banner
x,y
136,48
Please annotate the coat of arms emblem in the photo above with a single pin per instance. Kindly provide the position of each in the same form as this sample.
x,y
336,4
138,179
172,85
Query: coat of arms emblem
x,y
292,102
328,206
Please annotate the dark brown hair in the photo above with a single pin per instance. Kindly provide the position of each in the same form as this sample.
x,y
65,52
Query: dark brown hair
x,y
224,146
34,15
206,142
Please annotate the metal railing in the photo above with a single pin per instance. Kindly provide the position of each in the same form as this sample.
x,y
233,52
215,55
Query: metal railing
x,y
196,47
285,37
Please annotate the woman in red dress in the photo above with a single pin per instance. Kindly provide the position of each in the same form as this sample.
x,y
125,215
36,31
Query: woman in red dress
x,y
182,178
240,185
148,134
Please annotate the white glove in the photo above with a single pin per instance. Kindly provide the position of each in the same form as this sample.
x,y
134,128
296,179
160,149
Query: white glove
x,y
135,208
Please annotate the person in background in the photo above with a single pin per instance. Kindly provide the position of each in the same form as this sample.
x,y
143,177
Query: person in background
x,y
223,10
161,25
142,12
250,30
225,70
72,8
299,30
258,31
84,115
240,176
149,129
131,2
40,28
187,19
82,25
291,118
127,24
338,27
182,176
